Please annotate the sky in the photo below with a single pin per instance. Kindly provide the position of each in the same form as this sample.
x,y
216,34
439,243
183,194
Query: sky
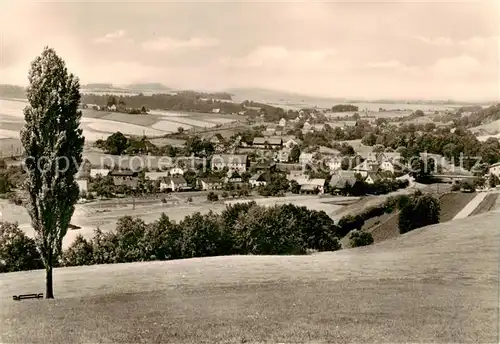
x,y
368,50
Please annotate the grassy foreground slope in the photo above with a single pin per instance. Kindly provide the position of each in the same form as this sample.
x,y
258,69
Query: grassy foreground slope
x,y
435,284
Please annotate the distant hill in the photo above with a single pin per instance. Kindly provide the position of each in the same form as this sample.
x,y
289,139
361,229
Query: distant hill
x,y
98,86
281,97
154,86
12,91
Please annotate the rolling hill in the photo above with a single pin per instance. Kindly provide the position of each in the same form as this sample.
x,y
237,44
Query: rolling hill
x,y
435,284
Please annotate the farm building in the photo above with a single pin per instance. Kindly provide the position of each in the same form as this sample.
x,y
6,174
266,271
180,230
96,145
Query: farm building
x,y
312,185
124,177
264,142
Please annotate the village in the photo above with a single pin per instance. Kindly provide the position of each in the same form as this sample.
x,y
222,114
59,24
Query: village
x,y
234,163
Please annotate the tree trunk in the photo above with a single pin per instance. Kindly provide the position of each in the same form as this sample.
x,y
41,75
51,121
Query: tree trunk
x,y
49,292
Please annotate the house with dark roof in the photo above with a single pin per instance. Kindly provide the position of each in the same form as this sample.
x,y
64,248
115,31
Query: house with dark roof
x,y
341,180
313,185
372,178
124,177
233,177
257,179
264,142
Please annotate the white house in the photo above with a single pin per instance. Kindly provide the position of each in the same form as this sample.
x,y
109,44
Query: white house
x,y
257,180
173,184
371,178
365,167
291,142
495,169
282,155
305,158
334,163
232,162
307,128
210,183
282,122
82,185
176,171
112,107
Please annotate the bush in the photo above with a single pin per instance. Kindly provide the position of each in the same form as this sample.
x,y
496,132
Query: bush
x,y
360,238
17,251
15,199
349,223
212,197
79,253
268,231
417,211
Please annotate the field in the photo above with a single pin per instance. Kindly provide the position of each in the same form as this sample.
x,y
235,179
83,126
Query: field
x,y
453,203
487,204
169,126
435,284
100,124
311,202
490,128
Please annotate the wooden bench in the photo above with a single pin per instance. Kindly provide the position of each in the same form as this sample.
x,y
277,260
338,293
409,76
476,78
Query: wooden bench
x,y
27,296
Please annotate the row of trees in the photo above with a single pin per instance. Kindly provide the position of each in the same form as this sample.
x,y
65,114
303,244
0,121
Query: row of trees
x,y
119,144
240,229
181,101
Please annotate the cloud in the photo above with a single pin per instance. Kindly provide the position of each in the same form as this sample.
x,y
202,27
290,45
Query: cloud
x,y
437,41
479,43
280,57
476,43
385,64
394,65
171,44
459,66
110,37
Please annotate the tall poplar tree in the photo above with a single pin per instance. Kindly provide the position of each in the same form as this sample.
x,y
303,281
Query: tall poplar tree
x,y
53,143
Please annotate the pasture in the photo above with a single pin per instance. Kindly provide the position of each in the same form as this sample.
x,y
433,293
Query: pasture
x,y
434,284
